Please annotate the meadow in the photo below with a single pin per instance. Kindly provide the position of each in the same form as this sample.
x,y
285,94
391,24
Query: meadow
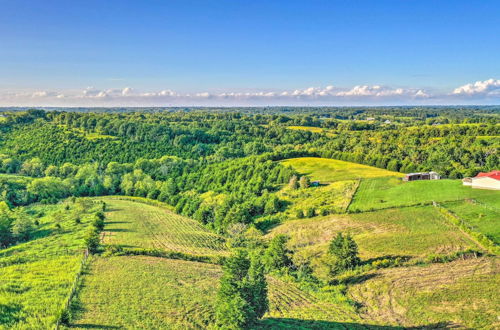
x,y
331,198
456,294
330,170
380,193
36,276
414,232
135,224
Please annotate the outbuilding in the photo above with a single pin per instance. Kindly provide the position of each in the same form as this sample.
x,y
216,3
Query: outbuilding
x,y
488,180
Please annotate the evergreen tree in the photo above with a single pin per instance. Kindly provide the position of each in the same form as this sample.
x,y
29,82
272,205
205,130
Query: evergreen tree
x,y
277,255
343,254
242,297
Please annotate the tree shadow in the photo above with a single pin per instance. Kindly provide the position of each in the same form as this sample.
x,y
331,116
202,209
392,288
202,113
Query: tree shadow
x,y
118,230
356,279
10,314
289,323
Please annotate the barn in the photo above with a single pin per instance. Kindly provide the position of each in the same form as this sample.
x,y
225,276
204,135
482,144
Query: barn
x,y
489,180
421,176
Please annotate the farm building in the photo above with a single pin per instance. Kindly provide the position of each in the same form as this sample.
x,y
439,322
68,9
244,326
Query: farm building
x,y
421,176
489,180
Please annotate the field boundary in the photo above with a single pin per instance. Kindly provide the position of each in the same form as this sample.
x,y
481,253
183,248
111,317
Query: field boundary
x,y
74,287
479,238
358,183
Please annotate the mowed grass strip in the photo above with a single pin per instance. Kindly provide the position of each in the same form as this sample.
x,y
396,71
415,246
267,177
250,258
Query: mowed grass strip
x,y
329,170
153,293
380,193
457,294
138,225
413,231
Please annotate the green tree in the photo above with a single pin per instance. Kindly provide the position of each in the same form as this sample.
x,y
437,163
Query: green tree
x,y
242,297
277,255
22,226
343,254
304,182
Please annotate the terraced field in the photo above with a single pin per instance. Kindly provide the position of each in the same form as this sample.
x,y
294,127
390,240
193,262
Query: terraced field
x,y
456,294
380,193
329,170
135,224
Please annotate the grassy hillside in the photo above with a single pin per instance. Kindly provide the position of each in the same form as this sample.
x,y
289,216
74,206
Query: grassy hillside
x,y
332,198
152,293
329,170
456,294
380,193
413,232
134,224
36,276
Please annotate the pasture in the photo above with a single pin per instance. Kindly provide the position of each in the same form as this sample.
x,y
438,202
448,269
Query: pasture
x,y
412,232
380,193
36,276
456,294
330,170
134,224
480,216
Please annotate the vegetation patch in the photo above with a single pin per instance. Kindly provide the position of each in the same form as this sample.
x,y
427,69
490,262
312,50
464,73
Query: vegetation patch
x,y
415,232
456,294
37,275
329,170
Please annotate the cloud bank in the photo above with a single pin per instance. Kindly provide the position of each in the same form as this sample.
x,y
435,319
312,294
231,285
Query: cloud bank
x,y
479,92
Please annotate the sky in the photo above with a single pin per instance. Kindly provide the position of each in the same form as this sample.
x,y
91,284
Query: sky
x,y
249,52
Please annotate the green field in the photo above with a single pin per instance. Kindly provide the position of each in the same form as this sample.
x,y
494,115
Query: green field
x,y
135,224
329,170
480,216
155,293
459,294
412,232
380,193
36,276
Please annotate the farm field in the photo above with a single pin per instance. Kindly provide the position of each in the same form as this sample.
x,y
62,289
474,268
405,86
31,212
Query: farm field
x,y
152,293
380,193
36,276
482,217
134,224
329,170
456,294
413,232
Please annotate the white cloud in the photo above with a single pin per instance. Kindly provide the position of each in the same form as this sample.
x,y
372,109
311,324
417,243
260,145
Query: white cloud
x,y
329,95
479,88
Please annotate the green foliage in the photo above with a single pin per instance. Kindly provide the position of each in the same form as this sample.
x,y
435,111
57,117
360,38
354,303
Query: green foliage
x,y
242,296
343,253
277,256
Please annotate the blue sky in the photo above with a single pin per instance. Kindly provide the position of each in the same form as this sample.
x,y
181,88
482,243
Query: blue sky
x,y
230,52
